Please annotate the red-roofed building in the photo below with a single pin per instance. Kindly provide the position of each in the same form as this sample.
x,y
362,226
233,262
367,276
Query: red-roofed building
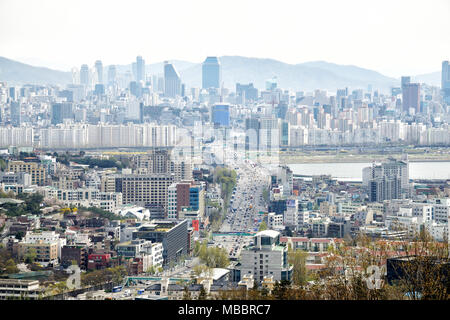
x,y
99,261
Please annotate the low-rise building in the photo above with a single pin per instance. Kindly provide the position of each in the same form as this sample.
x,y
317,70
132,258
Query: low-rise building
x,y
266,257
16,289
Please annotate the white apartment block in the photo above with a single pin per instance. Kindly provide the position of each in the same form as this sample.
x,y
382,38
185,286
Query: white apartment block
x,y
274,221
47,237
85,197
108,136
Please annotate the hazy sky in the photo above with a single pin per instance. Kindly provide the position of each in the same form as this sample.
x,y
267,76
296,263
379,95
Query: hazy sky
x,y
394,37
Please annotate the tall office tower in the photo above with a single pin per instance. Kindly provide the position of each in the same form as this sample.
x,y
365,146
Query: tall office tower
x,y
136,88
161,84
112,75
272,84
340,94
405,81
141,112
134,70
220,115
13,94
61,111
75,76
16,116
172,81
155,87
211,73
84,75
411,97
99,71
140,69
269,134
252,127
284,133
247,92
445,85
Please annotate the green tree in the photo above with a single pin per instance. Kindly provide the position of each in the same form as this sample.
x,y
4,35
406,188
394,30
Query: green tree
x,y
10,267
30,256
297,258
265,195
262,226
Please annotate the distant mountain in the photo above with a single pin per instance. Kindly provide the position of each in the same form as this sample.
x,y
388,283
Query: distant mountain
x,y
14,72
155,68
304,76
433,78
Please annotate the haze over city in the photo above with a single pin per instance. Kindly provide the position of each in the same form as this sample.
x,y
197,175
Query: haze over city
x,y
272,151
391,37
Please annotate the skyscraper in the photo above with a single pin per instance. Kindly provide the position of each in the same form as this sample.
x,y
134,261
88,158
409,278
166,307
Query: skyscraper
x,y
16,116
405,81
111,75
411,97
172,81
271,84
99,71
246,92
221,115
445,86
84,75
140,69
61,111
211,73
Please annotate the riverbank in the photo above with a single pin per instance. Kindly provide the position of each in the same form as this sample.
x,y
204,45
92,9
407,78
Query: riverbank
x,y
356,158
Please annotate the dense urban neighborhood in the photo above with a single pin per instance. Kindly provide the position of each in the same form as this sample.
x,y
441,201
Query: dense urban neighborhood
x,y
134,182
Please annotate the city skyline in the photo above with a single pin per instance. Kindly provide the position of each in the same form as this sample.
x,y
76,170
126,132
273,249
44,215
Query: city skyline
x,y
257,31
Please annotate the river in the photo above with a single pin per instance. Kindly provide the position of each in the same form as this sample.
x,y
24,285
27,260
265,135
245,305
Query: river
x,y
352,171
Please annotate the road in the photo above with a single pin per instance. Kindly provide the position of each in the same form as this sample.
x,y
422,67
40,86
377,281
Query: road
x,y
246,203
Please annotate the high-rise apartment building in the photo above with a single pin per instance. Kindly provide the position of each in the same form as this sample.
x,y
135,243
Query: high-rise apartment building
x,y
387,181
211,73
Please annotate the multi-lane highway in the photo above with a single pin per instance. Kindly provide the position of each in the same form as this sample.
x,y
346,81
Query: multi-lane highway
x,y
246,203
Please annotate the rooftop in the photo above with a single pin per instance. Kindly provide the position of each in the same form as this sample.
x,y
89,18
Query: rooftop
x,y
268,233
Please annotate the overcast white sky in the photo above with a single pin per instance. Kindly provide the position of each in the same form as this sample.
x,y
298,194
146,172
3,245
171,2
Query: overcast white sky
x,y
394,37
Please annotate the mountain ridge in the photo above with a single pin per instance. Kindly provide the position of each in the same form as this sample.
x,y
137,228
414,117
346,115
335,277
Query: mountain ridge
x,y
304,76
